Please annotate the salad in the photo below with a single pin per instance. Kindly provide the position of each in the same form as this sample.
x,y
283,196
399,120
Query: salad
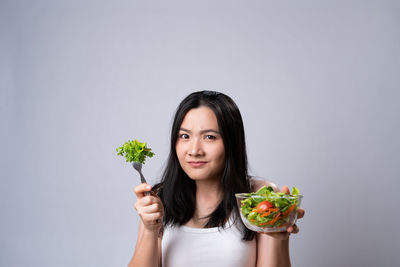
x,y
265,208
135,151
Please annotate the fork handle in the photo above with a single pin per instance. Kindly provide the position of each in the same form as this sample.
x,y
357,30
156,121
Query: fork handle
x,y
143,180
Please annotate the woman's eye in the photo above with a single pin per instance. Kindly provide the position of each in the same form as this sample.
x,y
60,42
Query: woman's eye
x,y
210,137
184,136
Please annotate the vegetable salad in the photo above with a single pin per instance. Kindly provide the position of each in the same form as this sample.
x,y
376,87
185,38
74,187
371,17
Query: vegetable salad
x,y
265,208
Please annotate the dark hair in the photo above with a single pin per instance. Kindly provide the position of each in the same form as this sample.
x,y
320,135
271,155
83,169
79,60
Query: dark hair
x,y
178,192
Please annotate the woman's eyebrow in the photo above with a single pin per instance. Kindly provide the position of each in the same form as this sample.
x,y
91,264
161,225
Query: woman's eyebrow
x,y
201,132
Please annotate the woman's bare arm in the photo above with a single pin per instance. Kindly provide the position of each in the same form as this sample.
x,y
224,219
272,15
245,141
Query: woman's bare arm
x,y
147,250
148,244
272,251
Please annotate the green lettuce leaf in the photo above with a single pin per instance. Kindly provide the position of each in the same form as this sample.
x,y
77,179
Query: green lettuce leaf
x,y
295,191
135,151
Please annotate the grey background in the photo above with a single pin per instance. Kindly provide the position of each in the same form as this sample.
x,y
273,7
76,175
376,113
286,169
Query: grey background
x,y
317,83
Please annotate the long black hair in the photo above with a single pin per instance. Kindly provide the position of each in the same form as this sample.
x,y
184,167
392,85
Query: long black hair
x,y
178,192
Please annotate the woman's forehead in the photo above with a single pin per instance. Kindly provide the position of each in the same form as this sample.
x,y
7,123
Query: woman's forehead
x,y
200,118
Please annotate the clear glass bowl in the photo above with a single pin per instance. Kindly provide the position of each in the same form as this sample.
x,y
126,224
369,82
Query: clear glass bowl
x,y
277,221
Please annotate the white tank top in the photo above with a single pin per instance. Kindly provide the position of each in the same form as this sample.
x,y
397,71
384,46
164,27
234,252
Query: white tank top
x,y
207,247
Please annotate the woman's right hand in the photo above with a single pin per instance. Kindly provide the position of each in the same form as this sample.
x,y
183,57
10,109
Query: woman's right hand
x,y
149,208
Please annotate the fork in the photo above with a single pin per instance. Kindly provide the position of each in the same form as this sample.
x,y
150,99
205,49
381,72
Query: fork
x,y
138,166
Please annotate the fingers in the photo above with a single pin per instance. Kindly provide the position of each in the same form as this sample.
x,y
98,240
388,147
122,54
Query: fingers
x,y
285,190
149,204
300,213
151,218
149,208
155,207
141,189
150,214
293,229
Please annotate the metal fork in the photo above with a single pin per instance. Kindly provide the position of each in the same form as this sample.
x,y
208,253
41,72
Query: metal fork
x,y
138,166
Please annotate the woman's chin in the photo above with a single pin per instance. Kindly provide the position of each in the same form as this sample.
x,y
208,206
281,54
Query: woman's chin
x,y
202,178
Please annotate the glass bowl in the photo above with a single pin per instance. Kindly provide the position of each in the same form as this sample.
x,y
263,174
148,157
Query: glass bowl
x,y
272,215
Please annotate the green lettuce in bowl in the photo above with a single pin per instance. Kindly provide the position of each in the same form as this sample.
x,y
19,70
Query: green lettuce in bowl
x,y
268,211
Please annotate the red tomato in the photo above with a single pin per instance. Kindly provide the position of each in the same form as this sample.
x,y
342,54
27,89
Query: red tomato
x,y
263,206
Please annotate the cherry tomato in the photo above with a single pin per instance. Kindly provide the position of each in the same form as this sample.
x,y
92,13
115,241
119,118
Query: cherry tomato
x,y
263,206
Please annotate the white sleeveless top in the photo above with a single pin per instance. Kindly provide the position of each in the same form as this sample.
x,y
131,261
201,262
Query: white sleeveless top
x,y
197,247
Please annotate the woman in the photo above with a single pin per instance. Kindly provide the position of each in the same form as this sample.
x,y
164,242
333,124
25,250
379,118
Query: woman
x,y
191,217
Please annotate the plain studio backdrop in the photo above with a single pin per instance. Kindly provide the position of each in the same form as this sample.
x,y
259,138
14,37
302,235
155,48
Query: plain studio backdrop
x,y
317,83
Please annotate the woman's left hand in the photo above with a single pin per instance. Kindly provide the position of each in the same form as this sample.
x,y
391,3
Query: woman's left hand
x,y
294,229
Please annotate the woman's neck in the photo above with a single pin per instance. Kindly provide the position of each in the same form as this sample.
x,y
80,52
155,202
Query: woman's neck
x,y
208,197
209,189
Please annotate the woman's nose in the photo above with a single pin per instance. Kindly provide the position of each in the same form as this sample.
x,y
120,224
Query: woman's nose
x,y
195,148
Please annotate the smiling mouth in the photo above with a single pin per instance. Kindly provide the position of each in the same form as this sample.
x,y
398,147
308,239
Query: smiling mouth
x,y
197,163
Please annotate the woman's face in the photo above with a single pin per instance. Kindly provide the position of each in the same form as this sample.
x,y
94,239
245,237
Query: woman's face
x,y
200,148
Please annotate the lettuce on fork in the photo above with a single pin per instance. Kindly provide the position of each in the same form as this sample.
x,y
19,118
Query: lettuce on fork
x,y
135,151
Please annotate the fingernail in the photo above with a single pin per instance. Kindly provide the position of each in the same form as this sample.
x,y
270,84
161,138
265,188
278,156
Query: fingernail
x,y
148,187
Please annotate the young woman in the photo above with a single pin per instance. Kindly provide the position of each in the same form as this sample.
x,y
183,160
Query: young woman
x,y
191,217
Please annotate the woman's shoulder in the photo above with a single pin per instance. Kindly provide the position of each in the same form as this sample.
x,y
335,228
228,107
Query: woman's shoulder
x,y
258,182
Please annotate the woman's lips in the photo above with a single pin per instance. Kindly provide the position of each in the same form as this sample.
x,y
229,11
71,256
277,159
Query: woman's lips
x,y
197,163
